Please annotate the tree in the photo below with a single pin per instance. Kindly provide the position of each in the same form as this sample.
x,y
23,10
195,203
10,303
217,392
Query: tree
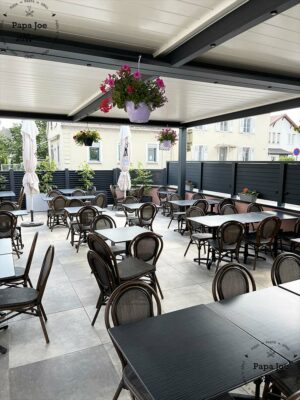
x,y
4,149
16,144
45,170
141,176
86,176
42,140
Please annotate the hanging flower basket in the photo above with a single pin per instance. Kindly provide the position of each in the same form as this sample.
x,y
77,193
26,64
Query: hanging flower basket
x,y
86,137
137,113
167,138
165,145
133,94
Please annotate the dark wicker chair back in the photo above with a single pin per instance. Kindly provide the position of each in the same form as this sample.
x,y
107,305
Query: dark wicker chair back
x,y
8,224
267,230
113,191
104,275
297,226
147,247
294,396
131,302
193,212
78,192
100,200
197,196
30,257
45,271
54,193
99,245
75,203
174,207
286,268
8,206
230,234
86,216
130,200
228,209
254,207
103,222
20,198
201,203
162,196
223,203
232,280
147,212
59,203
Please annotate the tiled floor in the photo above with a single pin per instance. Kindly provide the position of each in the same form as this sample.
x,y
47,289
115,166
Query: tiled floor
x,y
80,362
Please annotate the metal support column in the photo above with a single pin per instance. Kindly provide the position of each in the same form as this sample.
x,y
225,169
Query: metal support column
x,y
182,162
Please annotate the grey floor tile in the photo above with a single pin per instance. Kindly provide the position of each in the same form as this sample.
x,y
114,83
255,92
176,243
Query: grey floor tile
x,y
4,366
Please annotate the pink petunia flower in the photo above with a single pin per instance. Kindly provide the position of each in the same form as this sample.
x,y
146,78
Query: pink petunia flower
x,y
137,75
160,83
125,67
102,88
130,89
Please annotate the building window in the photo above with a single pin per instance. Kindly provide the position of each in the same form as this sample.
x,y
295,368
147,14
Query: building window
x,y
247,125
94,153
278,138
246,153
201,127
198,153
224,126
222,153
152,153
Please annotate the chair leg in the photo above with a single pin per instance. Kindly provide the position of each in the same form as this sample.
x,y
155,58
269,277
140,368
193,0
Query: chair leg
x,y
255,258
30,283
44,313
191,241
43,324
170,222
118,391
158,286
98,307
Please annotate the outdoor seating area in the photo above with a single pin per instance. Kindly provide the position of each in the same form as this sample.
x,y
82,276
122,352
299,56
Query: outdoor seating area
x,y
150,200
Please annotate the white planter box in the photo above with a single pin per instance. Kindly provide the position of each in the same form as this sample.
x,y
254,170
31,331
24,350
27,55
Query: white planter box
x,y
248,197
38,203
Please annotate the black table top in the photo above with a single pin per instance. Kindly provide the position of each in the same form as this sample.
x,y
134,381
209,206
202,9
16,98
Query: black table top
x,y
214,221
271,315
7,267
293,286
74,210
190,202
7,194
119,235
192,354
5,246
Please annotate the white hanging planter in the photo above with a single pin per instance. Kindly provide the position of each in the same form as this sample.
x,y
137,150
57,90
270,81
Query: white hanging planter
x,y
165,145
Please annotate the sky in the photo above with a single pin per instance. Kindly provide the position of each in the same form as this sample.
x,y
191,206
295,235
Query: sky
x,y
294,114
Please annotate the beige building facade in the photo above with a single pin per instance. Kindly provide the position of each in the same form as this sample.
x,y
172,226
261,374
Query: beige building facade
x,y
238,140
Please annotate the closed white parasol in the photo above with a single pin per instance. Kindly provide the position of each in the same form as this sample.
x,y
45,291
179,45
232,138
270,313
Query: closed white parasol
x,y
124,181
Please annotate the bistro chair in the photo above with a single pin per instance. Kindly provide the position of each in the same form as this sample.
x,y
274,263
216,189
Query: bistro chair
x,y
15,300
197,196
19,202
52,193
148,247
283,384
84,219
78,192
254,207
8,206
131,302
72,203
105,278
129,214
138,193
223,203
285,237
263,238
106,222
196,237
145,216
201,203
100,200
117,201
232,280
57,213
228,209
162,194
8,229
228,241
286,268
21,276
175,213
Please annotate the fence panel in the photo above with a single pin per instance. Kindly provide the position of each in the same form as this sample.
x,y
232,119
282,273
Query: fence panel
x,y
193,173
217,177
292,184
173,173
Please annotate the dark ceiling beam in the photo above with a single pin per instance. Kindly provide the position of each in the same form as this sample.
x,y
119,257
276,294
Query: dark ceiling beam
x,y
101,57
250,112
234,23
97,120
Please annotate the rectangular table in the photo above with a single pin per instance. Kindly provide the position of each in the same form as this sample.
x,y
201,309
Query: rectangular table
x,y
7,194
133,206
119,235
7,267
19,213
271,315
74,210
192,354
88,197
66,191
5,246
293,287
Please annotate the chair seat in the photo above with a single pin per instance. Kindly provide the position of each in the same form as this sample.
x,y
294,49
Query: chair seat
x,y
132,267
19,273
287,380
118,249
133,383
201,236
12,297
250,238
226,247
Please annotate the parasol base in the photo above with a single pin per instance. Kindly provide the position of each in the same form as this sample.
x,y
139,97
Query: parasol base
x,y
29,224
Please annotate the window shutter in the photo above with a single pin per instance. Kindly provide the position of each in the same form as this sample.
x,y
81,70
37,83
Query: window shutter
x,y
240,154
205,153
241,125
229,126
252,125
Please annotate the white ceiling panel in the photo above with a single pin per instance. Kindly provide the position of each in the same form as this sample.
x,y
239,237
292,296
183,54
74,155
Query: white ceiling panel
x,y
273,46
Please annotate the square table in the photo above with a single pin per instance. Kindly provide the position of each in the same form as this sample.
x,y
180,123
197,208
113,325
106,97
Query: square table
x,y
87,197
66,192
293,286
192,354
119,235
74,210
271,315
19,213
133,206
7,194
5,246
7,268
